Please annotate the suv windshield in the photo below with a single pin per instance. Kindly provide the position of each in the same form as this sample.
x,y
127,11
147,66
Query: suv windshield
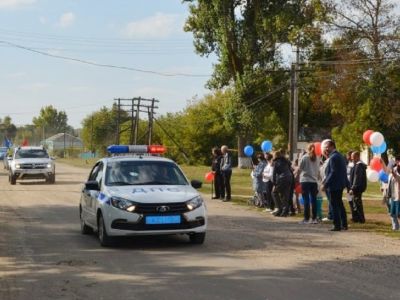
x,y
143,173
31,153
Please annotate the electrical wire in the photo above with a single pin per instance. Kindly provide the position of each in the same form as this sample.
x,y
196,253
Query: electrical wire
x,y
103,65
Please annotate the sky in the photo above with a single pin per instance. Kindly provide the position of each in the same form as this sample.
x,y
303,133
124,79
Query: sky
x,y
135,34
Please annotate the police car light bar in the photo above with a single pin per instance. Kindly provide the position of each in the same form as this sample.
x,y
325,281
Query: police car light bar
x,y
137,149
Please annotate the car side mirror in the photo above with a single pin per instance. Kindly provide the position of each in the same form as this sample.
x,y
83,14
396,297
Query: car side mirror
x,y
9,157
196,184
52,158
92,185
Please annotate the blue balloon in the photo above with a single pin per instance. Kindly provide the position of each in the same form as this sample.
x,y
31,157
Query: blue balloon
x,y
266,146
379,149
248,150
383,176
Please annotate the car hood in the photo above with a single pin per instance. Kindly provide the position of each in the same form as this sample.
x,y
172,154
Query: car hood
x,y
154,193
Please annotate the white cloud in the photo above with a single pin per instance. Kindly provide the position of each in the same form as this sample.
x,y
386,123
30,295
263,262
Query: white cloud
x,y
15,3
66,20
158,26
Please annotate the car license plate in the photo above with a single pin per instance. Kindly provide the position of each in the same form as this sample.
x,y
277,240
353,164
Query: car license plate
x,y
163,219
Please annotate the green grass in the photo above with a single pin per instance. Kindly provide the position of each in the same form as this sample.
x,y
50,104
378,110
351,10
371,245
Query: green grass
x,y
241,182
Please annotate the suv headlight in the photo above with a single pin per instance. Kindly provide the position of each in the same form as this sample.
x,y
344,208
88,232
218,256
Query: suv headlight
x,y
18,166
123,204
49,166
194,203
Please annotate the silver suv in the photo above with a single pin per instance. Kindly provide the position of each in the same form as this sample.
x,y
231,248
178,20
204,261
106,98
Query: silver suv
x,y
32,163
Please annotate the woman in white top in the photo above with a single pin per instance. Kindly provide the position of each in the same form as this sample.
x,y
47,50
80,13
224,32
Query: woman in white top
x,y
267,178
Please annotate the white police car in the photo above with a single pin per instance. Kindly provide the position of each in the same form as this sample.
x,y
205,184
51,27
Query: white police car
x,y
141,194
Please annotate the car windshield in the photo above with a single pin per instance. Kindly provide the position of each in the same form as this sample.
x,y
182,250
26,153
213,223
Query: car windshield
x,y
143,173
31,153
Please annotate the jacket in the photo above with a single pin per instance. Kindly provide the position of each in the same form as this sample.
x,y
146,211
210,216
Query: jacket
x,y
358,178
336,173
226,162
282,173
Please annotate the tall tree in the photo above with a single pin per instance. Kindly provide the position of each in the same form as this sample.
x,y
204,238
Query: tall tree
x,y
245,36
100,128
51,121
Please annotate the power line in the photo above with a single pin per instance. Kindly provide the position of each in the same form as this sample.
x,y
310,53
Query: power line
x,y
102,65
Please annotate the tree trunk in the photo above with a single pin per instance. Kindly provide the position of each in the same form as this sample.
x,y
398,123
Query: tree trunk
x,y
243,161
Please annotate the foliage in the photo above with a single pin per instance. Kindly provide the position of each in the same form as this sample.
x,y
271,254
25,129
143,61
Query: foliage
x,y
100,128
51,121
245,37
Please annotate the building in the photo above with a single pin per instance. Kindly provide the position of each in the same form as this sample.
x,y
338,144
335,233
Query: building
x,y
63,142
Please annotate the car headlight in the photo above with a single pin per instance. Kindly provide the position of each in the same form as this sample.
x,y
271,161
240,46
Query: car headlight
x,y
18,166
49,166
123,204
194,203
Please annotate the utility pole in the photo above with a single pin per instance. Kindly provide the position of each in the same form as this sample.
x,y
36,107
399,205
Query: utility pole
x,y
296,103
291,114
118,121
294,107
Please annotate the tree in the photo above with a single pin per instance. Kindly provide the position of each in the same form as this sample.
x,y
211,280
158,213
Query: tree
x,y
364,93
100,128
9,130
245,36
51,121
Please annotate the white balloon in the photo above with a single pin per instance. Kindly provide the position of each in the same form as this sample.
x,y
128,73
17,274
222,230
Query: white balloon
x,y
372,175
376,139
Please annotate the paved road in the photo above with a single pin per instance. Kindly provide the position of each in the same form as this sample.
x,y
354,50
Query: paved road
x,y
247,255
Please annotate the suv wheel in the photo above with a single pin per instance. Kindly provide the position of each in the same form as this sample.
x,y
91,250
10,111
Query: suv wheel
x,y
12,178
52,178
197,238
104,239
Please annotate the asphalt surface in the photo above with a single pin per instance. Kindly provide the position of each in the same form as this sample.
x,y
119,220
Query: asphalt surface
x,y
247,254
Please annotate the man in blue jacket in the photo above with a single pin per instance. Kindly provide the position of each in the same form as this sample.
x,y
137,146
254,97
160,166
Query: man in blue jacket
x,y
334,184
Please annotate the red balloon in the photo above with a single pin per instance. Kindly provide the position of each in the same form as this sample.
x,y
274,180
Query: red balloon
x,y
366,136
209,176
375,164
318,149
298,189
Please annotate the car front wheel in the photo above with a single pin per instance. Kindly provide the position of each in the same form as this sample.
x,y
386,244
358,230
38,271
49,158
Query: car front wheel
x,y
197,238
104,239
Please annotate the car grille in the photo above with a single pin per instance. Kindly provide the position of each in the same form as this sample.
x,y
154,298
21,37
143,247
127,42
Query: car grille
x,y
152,208
33,166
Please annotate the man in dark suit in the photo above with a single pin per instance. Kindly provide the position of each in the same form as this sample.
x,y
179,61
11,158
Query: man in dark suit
x,y
358,185
334,184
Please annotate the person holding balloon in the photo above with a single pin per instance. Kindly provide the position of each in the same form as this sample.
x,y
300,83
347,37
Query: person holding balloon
x,y
394,194
358,185
226,169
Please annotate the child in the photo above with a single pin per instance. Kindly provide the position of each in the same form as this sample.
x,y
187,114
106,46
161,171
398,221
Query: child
x,y
394,193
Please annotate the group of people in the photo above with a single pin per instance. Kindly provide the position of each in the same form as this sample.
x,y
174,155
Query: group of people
x,y
222,169
279,184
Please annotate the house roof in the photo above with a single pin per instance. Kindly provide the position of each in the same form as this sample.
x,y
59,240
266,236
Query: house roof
x,y
60,136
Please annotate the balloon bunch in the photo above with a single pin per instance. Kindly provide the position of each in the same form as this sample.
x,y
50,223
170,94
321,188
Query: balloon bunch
x,y
375,140
378,146
266,146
